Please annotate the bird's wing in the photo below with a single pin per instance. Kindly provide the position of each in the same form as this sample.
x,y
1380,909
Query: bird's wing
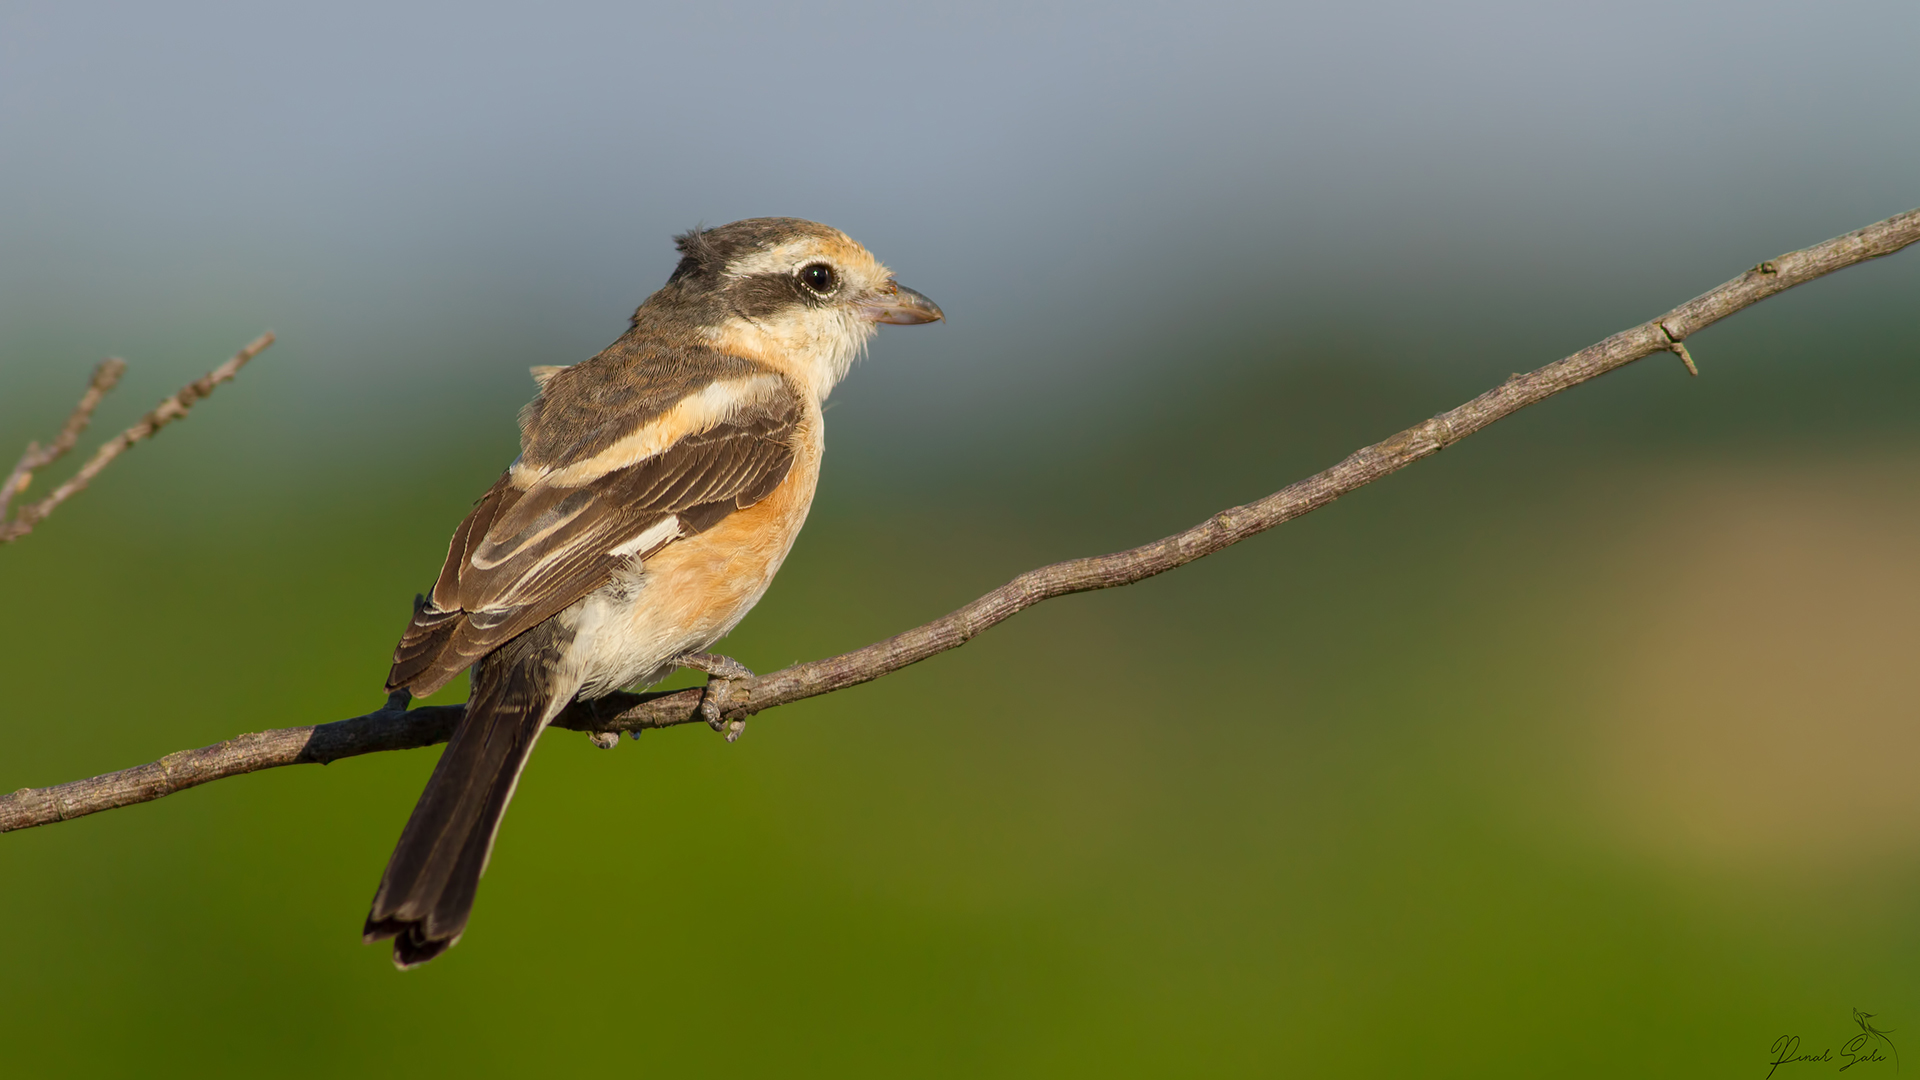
x,y
546,535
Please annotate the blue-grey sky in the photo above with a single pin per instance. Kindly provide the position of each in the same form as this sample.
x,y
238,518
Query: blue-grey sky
x,y
414,192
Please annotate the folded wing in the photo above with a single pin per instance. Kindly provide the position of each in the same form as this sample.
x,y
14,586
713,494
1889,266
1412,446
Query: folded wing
x,y
542,538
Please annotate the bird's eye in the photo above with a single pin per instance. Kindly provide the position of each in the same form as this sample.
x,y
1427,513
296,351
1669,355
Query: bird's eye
x,y
818,277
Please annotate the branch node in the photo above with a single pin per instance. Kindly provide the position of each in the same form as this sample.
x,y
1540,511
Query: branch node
x,y
1679,348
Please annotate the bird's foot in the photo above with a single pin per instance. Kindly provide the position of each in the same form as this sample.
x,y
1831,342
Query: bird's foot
x,y
725,681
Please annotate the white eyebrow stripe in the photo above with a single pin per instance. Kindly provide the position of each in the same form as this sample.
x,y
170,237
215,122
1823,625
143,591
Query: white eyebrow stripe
x,y
698,412
776,260
652,537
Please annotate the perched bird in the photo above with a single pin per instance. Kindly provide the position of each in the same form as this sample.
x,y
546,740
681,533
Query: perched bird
x,y
659,487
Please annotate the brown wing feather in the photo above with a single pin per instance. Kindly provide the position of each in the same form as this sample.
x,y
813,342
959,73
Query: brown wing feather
x,y
523,556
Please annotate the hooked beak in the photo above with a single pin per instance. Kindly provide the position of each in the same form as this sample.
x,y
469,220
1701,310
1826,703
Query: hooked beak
x,y
897,304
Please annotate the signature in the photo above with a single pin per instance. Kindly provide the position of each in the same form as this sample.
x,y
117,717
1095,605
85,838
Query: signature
x,y
1861,1049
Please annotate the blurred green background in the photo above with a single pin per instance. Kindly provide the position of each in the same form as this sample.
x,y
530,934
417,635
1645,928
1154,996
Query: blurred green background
x,y
1588,747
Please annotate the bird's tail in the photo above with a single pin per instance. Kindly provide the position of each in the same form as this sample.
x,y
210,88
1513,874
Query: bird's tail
x,y
428,889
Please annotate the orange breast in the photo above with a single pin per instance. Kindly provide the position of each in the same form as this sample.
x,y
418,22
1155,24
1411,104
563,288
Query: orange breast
x,y
702,586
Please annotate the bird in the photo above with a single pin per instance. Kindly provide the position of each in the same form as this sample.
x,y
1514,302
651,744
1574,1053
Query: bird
x,y
659,487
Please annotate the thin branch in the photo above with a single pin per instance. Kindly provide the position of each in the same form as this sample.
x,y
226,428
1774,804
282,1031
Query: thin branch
x,y
169,410
105,376
393,727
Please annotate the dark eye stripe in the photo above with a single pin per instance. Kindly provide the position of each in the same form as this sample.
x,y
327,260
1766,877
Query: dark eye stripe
x,y
764,295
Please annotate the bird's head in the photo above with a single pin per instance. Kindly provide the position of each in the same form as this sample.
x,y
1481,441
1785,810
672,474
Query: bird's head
x,y
795,294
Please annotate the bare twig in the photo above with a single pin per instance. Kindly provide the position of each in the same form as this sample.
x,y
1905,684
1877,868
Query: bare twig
x,y
395,728
169,410
105,376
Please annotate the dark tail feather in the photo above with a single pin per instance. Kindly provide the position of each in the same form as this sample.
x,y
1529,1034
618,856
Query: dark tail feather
x,y
429,886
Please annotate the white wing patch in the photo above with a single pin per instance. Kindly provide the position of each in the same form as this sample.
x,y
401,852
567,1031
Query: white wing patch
x,y
655,536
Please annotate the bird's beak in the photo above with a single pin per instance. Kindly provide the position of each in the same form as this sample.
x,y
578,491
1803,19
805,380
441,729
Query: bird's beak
x,y
897,304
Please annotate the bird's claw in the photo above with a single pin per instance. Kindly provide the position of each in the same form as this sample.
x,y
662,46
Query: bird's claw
x,y
725,677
